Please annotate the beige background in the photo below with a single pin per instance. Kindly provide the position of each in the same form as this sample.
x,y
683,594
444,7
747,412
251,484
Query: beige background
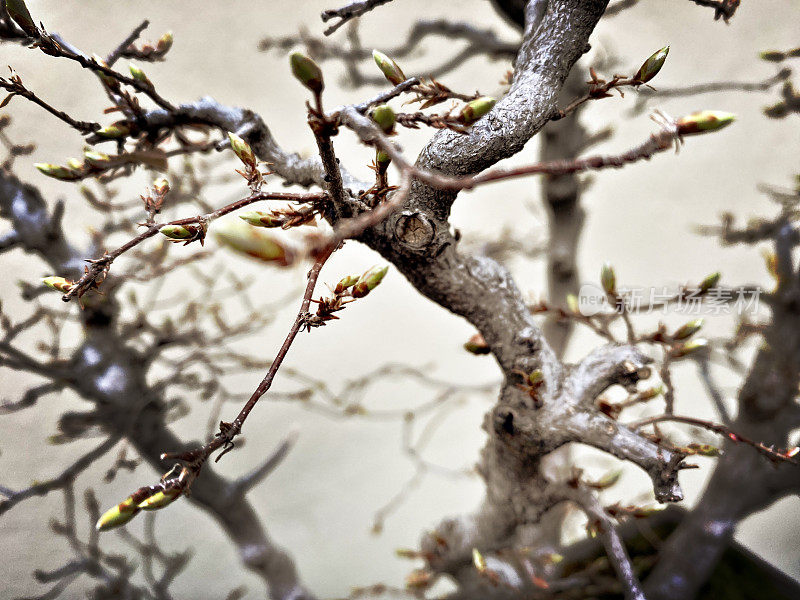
x,y
320,502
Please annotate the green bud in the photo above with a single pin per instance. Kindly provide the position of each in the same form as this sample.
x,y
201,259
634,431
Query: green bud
x,y
242,149
164,42
535,377
692,347
96,159
383,115
307,72
177,232
572,303
687,330
345,282
772,55
369,281
608,278
161,186
704,122
138,74
254,242
114,131
58,283
704,450
477,345
382,161
75,164
478,560
652,66
119,515
388,67
57,171
475,109
107,79
160,499
709,282
259,218
19,13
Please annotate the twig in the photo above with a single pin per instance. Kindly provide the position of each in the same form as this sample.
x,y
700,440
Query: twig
x,y
99,267
115,54
615,547
350,11
789,455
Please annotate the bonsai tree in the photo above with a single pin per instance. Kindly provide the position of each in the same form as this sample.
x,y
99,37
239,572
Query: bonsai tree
x,y
140,348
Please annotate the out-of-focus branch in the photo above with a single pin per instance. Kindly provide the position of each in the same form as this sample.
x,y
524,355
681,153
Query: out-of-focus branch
x,y
353,9
722,8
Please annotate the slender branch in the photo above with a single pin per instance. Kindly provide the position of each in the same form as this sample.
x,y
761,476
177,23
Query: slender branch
x,y
722,8
789,455
615,547
117,52
99,267
352,10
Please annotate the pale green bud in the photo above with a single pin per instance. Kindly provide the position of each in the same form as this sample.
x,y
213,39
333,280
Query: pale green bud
x,y
242,149
692,347
345,282
96,159
114,131
119,515
710,281
58,283
687,330
477,345
177,232
254,242
369,281
704,121
161,186
165,42
608,279
475,109
160,499
259,218
138,74
57,171
307,72
389,68
384,116
652,65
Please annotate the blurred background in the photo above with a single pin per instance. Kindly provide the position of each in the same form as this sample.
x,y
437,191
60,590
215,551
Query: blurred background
x,y
322,502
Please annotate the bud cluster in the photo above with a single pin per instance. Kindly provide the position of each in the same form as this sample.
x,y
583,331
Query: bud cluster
x,y
152,497
348,289
150,51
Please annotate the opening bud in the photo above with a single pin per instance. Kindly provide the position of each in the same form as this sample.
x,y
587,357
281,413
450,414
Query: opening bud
x,y
652,65
138,74
369,281
119,515
164,42
58,283
389,68
345,282
475,109
690,348
161,186
307,72
57,171
114,131
258,218
160,499
177,232
243,150
704,122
